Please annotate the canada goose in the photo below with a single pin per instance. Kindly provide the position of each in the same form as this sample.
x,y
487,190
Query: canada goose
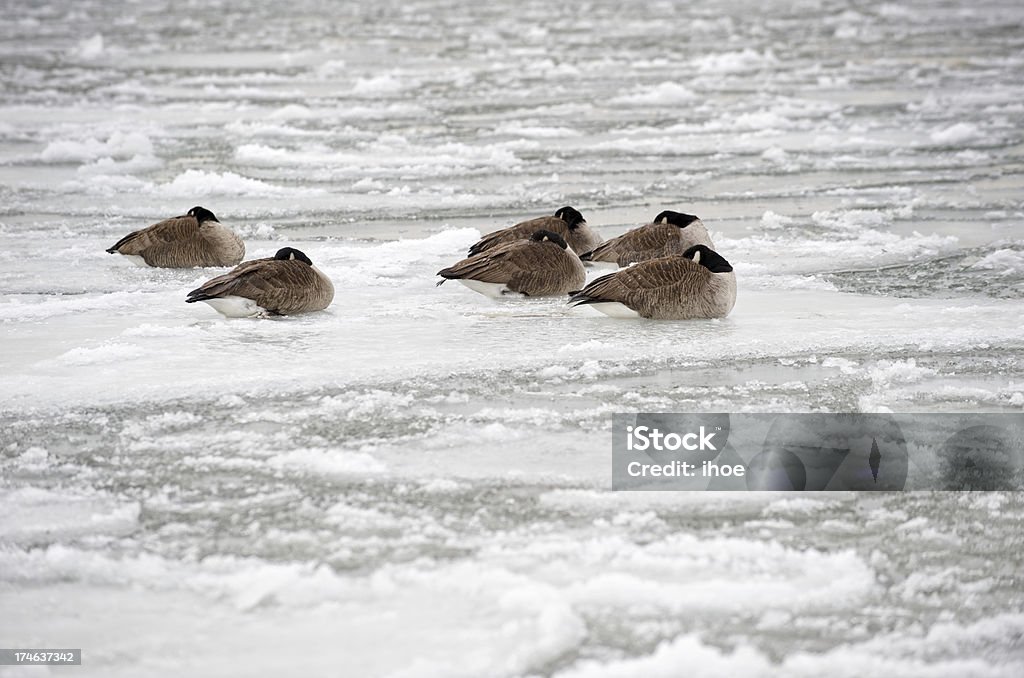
x,y
698,284
195,239
538,266
669,233
284,284
567,222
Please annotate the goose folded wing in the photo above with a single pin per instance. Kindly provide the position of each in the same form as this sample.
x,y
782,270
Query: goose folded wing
x,y
521,230
497,265
266,281
645,280
632,245
162,233
538,268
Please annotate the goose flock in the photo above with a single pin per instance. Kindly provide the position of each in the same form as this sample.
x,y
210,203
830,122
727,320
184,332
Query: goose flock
x,y
668,269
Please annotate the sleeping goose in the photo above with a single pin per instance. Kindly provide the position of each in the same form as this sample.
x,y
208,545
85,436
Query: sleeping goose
x,y
699,283
669,233
541,265
195,239
567,222
284,284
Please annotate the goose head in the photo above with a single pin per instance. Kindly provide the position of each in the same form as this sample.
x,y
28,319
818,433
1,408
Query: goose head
x,y
202,214
675,218
548,236
708,258
289,253
571,216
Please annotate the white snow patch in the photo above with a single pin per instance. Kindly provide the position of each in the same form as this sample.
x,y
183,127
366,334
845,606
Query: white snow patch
x,y
888,372
762,121
34,514
331,68
382,157
845,366
1002,262
735,62
535,131
108,165
850,247
101,355
772,221
776,155
118,145
590,346
554,372
663,94
389,263
852,219
327,462
293,112
378,84
89,48
258,231
956,134
685,655
194,182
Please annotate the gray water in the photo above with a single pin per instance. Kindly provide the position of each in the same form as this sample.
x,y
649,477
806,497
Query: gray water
x,y
414,482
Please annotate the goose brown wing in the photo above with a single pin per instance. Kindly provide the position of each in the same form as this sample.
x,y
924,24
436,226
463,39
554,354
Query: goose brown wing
x,y
640,244
643,285
544,268
495,265
162,233
518,232
271,283
523,265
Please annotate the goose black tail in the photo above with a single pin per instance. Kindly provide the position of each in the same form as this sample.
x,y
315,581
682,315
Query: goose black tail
x,y
116,247
198,295
580,297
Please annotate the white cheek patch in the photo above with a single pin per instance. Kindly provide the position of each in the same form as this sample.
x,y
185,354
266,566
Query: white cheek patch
x,y
696,257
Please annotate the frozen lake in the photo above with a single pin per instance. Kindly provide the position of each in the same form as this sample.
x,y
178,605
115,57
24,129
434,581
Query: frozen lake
x,y
414,482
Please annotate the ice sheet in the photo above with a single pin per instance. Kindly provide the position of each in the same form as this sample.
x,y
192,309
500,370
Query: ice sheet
x,y
414,482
